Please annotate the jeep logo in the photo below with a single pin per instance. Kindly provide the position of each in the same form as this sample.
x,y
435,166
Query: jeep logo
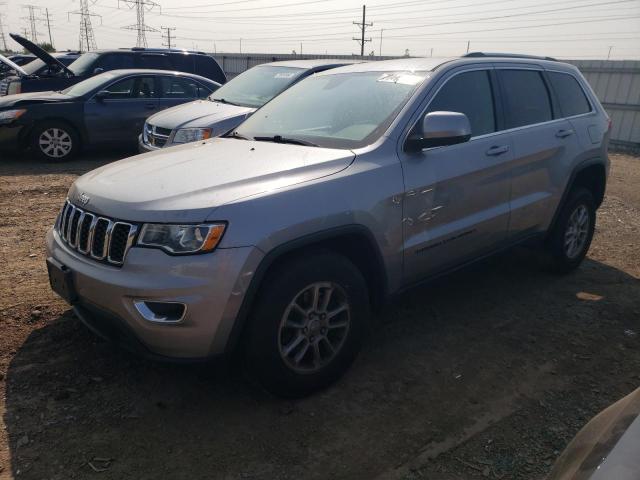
x,y
83,199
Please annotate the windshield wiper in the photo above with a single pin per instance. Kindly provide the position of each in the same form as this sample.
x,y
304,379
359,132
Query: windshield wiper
x,y
281,139
226,102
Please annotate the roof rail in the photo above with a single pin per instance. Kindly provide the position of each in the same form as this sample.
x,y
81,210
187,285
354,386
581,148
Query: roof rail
x,y
507,55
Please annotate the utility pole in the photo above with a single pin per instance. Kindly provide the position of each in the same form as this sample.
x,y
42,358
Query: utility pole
x,y
140,26
86,38
468,45
49,26
33,33
3,39
168,36
380,50
609,54
363,26
240,45
431,55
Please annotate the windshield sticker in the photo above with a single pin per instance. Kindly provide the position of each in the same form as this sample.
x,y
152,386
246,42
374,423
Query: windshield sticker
x,y
284,75
401,78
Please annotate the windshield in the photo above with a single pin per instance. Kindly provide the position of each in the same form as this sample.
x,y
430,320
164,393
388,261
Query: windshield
x,y
86,86
84,62
33,66
257,86
347,110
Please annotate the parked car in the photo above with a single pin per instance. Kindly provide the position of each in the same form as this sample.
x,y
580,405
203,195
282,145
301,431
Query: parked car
x,y
229,106
92,63
18,60
108,109
40,69
607,448
351,186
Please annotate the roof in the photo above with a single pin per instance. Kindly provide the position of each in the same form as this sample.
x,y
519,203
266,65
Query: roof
x,y
313,63
147,71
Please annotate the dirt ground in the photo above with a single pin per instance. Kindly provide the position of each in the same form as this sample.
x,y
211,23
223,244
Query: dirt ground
x,y
487,373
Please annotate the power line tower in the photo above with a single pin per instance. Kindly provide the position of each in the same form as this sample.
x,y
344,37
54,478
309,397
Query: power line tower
x,y
87,39
363,26
3,39
167,36
140,26
32,19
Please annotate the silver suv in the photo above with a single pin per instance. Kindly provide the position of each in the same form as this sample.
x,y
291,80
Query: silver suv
x,y
350,186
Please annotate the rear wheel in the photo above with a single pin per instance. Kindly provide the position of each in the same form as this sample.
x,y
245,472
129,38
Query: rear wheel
x,y
571,236
54,141
308,324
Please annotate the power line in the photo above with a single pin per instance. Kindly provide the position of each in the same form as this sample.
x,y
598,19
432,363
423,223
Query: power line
x,y
363,27
168,36
141,27
86,37
33,32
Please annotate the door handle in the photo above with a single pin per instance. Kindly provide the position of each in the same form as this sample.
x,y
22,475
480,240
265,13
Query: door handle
x,y
497,150
564,133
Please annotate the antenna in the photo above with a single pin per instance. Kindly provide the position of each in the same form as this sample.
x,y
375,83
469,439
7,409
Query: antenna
x,y
86,39
140,26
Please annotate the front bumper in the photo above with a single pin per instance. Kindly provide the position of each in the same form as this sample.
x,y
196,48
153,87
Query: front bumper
x,y
11,136
212,286
145,147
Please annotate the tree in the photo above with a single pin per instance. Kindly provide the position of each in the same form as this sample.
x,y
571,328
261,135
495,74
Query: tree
x,y
46,46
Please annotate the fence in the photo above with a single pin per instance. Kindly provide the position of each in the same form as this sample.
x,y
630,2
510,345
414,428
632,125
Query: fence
x,y
615,82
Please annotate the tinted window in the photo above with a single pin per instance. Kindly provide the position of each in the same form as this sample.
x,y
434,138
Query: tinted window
x,y
468,93
176,87
527,98
138,87
84,64
569,93
183,63
114,61
159,61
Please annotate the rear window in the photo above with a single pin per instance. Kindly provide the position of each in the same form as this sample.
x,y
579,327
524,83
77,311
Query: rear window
x,y
527,97
569,93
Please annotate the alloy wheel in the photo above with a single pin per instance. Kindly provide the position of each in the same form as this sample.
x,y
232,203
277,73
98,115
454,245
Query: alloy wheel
x,y
577,232
55,143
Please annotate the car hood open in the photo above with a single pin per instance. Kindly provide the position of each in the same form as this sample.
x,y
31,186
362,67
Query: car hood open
x,y
17,68
40,53
198,114
186,183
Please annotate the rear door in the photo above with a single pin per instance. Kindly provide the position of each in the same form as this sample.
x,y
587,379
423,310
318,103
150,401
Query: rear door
x,y
119,116
544,147
456,203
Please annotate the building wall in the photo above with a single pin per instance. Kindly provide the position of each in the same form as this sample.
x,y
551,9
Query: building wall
x,y
615,82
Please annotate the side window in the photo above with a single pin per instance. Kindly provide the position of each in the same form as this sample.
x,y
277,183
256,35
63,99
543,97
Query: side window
x,y
114,61
527,97
159,61
132,88
176,87
469,93
182,62
569,93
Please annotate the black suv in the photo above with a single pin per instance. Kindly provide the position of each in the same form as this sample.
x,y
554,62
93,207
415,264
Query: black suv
x,y
92,63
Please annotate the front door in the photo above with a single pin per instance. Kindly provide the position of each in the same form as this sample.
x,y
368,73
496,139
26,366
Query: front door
x,y
456,203
118,114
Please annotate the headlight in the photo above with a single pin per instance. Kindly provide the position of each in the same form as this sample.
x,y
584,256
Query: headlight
x,y
186,135
182,239
14,88
9,116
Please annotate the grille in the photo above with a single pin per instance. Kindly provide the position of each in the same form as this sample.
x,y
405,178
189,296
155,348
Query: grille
x,y
4,87
101,238
156,136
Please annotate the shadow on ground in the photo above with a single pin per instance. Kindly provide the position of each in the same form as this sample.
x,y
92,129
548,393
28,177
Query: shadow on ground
x,y
457,356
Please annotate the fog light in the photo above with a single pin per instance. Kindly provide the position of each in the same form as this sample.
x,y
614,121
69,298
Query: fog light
x,y
161,312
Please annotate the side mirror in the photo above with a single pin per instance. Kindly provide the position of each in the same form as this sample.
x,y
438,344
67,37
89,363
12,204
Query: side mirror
x,y
440,129
98,70
101,95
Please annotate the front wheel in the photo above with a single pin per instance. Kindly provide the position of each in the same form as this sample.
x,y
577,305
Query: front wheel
x,y
54,141
571,236
308,324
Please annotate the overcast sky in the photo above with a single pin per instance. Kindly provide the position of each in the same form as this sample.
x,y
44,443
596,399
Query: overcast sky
x,y
568,29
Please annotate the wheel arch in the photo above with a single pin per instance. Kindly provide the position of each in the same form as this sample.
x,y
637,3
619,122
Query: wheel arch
x,y
355,242
82,135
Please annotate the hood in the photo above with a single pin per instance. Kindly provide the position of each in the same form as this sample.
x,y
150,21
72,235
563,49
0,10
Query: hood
x,y
198,114
13,66
32,98
40,53
608,447
186,183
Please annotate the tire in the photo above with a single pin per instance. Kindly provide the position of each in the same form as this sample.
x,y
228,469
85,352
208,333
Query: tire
x,y
54,141
278,331
570,239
